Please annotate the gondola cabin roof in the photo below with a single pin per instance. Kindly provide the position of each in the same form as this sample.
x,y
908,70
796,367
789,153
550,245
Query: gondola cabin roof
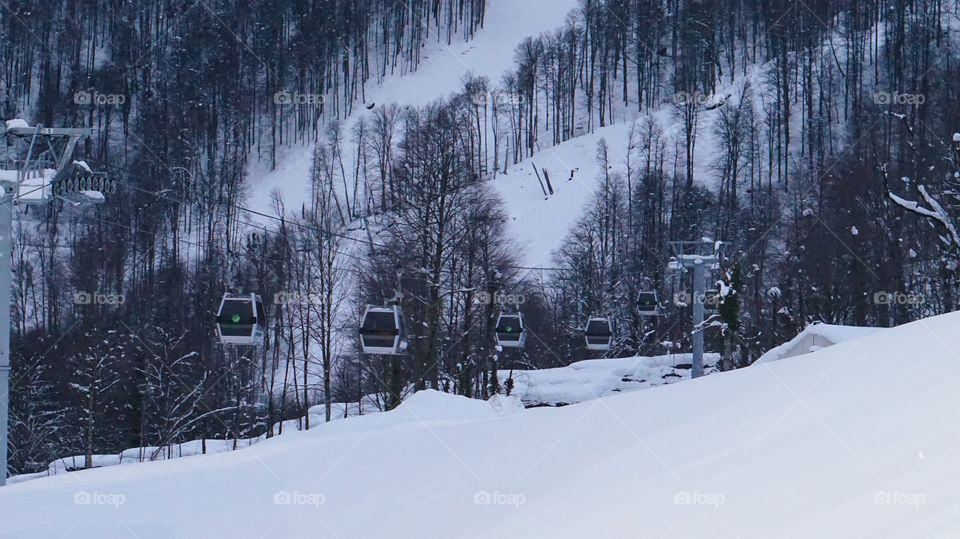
x,y
599,326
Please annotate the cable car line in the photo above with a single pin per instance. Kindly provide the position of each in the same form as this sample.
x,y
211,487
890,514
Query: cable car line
x,y
255,225
191,243
300,225
241,319
245,209
266,230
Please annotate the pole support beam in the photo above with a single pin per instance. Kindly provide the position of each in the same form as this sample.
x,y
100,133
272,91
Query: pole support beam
x,y
702,257
6,252
699,283
8,198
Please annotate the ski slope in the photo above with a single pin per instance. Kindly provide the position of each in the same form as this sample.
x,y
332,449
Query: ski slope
x,y
537,223
860,439
441,73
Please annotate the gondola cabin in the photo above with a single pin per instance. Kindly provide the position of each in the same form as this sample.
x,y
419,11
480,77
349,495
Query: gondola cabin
x,y
382,330
647,303
599,333
511,332
241,320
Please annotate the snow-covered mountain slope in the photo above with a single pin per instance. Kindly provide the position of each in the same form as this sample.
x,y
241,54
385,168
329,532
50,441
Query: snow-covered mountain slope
x,y
441,72
858,439
537,223
199,447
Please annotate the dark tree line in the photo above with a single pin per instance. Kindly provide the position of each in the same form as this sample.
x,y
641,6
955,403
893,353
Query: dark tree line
x,y
182,96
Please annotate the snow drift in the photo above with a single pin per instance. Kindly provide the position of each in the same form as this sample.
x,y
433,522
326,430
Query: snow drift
x,y
815,337
585,380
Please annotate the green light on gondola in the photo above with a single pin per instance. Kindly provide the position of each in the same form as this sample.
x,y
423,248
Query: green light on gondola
x,y
235,319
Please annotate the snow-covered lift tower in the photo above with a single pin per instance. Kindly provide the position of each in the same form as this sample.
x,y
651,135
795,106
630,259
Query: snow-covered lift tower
x,y
38,170
700,256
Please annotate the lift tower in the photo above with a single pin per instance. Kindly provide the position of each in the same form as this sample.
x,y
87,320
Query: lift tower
x,y
701,257
38,170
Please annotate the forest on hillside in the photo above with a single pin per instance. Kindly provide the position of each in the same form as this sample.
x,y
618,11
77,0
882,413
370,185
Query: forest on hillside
x,y
833,188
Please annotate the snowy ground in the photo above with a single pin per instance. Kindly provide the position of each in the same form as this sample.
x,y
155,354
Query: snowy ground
x,y
539,224
853,440
813,338
192,448
578,382
585,380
